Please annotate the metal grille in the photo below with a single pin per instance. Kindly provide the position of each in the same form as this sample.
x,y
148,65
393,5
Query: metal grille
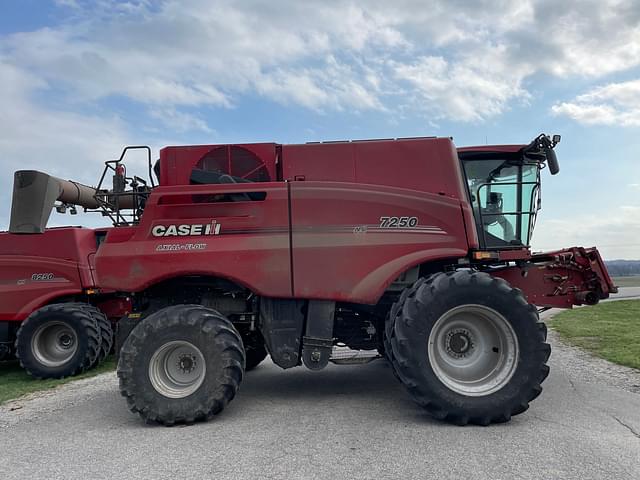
x,y
235,161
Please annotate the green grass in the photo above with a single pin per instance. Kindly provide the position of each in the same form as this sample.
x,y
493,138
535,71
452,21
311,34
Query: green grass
x,y
14,382
610,330
631,281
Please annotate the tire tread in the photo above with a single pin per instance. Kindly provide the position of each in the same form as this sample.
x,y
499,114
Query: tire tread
x,y
81,315
218,330
401,324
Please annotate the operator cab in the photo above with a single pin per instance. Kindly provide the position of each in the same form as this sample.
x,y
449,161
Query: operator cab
x,y
504,190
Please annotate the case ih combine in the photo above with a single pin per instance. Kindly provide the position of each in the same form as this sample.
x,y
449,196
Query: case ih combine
x,y
407,247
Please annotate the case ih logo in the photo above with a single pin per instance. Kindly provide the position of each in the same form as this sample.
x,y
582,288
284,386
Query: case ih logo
x,y
186,230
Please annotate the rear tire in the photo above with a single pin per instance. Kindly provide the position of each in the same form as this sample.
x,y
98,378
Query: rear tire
x,y
106,334
106,330
469,348
255,349
58,341
181,364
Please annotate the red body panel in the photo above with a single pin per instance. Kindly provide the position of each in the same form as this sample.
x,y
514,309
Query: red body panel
x,y
36,269
340,251
422,164
251,249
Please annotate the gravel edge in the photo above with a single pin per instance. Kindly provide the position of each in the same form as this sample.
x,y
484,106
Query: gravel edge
x,y
42,403
588,368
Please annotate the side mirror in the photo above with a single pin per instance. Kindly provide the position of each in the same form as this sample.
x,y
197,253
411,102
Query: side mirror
x,y
552,161
556,139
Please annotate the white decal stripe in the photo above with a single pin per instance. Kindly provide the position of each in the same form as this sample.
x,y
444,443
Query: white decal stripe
x,y
418,227
406,230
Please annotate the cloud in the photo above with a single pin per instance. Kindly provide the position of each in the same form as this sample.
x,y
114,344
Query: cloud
x,y
180,121
199,53
461,91
612,104
588,38
459,60
335,86
32,132
616,234
62,141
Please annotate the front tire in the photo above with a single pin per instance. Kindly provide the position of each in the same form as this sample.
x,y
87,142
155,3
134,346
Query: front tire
x,y
181,364
469,348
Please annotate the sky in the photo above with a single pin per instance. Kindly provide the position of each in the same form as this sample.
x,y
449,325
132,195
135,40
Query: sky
x,y
79,80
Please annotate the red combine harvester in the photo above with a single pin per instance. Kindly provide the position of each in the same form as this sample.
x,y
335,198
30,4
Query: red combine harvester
x,y
406,248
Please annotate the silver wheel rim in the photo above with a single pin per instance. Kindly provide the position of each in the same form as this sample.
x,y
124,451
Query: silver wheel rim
x,y
54,343
177,369
473,350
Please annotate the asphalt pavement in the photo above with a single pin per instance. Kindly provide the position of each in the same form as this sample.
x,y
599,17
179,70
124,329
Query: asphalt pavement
x,y
345,422
627,292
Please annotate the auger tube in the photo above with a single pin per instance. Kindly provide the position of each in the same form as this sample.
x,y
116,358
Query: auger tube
x,y
35,194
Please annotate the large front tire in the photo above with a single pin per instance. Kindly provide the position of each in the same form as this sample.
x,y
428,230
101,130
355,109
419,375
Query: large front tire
x,y
181,364
469,348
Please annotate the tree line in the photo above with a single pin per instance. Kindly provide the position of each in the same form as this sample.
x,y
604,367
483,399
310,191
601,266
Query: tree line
x,y
623,268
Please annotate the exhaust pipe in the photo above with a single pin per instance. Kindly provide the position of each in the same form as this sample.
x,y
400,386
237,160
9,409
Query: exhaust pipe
x,y
35,194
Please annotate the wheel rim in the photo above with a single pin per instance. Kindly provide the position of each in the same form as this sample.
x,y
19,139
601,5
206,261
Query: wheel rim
x,y
473,350
177,369
54,344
